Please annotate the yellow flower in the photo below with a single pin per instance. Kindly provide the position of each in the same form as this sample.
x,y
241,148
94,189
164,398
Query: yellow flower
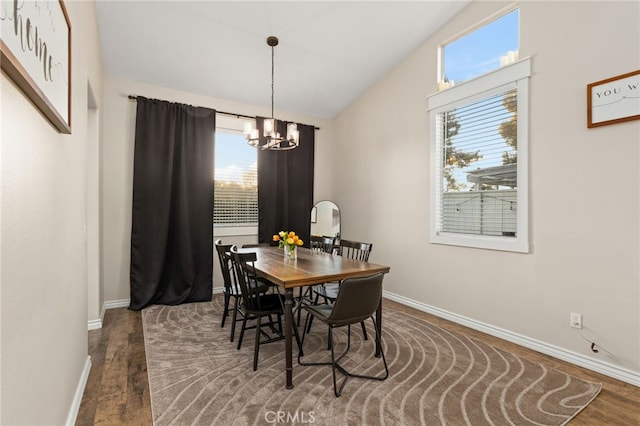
x,y
288,239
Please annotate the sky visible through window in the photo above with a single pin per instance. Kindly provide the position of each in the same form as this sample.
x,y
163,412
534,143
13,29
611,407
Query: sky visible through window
x,y
479,52
473,55
470,56
231,162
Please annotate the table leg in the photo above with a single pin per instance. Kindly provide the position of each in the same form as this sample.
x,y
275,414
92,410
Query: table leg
x,y
288,327
379,327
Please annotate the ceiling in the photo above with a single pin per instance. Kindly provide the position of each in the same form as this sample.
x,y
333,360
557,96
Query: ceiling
x,y
329,52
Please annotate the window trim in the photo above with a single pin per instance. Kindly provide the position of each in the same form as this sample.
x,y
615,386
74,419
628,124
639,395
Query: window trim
x,y
516,76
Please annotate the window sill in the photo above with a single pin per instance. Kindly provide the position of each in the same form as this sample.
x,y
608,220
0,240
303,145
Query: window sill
x,y
519,245
235,231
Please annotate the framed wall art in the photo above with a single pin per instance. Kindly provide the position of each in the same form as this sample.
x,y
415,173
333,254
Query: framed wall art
x,y
35,52
614,100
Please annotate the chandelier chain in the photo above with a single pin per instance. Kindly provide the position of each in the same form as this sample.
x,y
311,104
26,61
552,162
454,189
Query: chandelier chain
x,y
272,78
271,138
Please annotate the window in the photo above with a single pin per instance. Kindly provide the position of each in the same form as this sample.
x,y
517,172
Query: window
x,y
479,161
489,47
236,180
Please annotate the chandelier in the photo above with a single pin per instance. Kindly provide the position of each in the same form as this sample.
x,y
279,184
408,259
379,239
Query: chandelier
x,y
271,138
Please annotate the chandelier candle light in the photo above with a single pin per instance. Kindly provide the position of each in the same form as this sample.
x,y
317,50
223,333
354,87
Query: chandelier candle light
x,y
271,138
290,241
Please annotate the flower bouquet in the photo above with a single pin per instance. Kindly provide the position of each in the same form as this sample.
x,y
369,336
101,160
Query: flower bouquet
x,y
290,241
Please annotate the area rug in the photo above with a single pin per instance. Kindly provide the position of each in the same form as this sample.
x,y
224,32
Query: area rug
x,y
198,377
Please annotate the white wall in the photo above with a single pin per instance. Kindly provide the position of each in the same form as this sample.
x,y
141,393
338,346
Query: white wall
x,y
585,241
585,248
44,263
118,171
95,291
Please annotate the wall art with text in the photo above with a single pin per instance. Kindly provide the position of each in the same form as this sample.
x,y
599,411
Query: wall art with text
x,y
614,100
35,48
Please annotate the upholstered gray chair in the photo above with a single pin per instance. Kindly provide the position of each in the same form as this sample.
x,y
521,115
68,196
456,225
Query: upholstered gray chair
x,y
328,291
357,300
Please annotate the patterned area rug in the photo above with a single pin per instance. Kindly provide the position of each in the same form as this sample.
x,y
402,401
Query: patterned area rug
x,y
197,377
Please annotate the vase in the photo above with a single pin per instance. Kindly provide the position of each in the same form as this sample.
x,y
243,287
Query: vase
x,y
291,253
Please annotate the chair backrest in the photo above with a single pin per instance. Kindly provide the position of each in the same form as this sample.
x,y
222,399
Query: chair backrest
x,y
323,244
245,275
355,250
225,262
357,300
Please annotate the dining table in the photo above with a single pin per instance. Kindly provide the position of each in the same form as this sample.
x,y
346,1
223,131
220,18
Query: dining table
x,y
310,267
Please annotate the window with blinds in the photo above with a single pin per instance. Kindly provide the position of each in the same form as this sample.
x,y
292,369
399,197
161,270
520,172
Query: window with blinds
x,y
479,166
236,179
479,161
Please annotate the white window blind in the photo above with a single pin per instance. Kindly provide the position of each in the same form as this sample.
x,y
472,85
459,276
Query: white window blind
x,y
479,166
236,181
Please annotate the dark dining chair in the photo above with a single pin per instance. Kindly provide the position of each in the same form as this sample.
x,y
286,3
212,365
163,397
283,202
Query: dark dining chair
x,y
355,250
357,300
317,244
322,243
231,288
254,245
329,291
257,305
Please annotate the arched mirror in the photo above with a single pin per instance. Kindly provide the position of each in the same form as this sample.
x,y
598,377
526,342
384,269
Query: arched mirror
x,y
325,219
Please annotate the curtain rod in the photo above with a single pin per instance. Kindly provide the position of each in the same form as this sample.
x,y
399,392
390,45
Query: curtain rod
x,y
233,114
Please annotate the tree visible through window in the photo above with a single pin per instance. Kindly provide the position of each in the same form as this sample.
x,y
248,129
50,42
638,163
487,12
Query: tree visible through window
x,y
480,167
478,138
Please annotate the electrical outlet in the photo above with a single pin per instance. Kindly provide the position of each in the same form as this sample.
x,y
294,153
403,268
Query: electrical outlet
x,y
575,320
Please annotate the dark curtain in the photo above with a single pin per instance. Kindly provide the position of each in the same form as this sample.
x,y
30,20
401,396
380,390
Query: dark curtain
x,y
285,187
172,215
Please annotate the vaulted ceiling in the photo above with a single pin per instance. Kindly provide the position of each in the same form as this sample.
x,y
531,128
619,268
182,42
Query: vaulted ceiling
x,y
329,52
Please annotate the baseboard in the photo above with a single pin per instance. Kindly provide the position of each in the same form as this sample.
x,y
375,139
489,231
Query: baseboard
x,y
77,397
124,303
608,369
95,324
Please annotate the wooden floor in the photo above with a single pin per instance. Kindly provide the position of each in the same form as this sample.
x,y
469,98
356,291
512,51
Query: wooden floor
x,y
117,391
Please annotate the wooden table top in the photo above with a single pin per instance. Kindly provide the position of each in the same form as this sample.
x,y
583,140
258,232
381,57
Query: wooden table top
x,y
310,267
